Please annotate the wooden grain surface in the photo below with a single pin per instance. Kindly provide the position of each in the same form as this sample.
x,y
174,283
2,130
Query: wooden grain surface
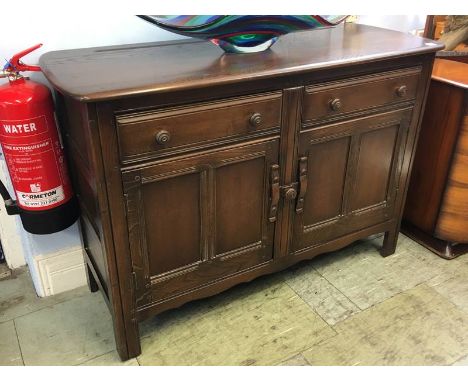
x,y
453,220
433,158
452,72
96,74
436,208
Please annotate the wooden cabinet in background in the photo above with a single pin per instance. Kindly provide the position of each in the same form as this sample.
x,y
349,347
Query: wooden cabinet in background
x,y
198,170
436,212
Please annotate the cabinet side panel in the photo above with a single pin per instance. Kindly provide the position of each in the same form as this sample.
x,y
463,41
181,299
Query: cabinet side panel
x,y
80,148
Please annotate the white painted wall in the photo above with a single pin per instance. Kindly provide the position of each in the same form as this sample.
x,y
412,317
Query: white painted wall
x,y
12,244
58,33
80,31
402,23
70,32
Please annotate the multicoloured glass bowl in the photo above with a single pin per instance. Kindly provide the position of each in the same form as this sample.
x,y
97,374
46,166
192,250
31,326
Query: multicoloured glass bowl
x,y
241,34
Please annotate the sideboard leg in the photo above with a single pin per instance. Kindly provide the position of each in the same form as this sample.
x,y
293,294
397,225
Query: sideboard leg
x,y
127,341
92,284
390,242
133,341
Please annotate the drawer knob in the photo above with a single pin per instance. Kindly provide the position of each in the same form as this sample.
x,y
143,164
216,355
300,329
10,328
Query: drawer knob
x,y
290,194
401,91
255,120
163,137
335,104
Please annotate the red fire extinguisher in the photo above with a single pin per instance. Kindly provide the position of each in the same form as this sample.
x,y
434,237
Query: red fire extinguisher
x,y
33,153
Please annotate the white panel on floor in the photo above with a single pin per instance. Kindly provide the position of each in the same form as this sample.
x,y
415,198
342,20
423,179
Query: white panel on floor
x,y
61,271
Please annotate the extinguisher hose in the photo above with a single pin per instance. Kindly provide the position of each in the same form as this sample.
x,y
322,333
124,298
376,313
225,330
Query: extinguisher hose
x,y
4,192
10,204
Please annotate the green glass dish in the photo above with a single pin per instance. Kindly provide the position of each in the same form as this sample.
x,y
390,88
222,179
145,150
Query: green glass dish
x,y
241,34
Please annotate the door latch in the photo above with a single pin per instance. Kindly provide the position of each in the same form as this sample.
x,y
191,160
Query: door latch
x,y
302,184
275,192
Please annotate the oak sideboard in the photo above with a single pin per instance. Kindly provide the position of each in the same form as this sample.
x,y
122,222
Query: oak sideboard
x,y
197,170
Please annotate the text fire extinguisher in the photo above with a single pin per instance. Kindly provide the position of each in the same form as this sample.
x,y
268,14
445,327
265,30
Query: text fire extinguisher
x,y
33,153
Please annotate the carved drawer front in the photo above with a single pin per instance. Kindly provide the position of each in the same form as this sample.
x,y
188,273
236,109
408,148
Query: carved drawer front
x,y
337,99
202,218
168,131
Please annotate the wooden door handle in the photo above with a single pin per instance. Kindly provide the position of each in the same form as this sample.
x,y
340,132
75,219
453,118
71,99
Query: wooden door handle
x,y
290,194
302,184
275,192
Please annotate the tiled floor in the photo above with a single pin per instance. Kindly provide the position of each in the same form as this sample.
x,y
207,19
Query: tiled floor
x,y
352,307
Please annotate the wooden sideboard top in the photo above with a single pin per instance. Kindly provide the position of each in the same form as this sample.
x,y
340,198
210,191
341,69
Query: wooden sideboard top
x,y
452,72
104,73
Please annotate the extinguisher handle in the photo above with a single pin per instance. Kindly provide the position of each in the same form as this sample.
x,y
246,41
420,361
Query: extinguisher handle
x,y
10,204
15,64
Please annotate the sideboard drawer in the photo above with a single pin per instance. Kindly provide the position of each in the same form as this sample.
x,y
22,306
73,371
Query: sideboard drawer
x,y
335,99
156,133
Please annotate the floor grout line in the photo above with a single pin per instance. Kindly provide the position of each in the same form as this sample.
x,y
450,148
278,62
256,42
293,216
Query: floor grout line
x,y
44,307
311,308
459,359
315,311
377,303
339,290
290,357
445,298
90,359
19,343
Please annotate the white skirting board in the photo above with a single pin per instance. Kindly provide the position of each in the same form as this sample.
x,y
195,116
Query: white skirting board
x,y
61,271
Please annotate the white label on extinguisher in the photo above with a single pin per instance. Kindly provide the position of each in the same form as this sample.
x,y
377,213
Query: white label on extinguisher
x,y
40,198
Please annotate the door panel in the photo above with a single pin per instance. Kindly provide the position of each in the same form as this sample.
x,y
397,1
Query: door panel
x,y
174,240
376,151
197,219
239,205
324,196
352,176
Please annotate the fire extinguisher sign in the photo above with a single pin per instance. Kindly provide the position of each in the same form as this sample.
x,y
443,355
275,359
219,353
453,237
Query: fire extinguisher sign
x,y
35,161
31,127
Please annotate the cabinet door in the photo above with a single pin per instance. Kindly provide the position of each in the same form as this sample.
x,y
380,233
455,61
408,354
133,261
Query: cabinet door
x,y
197,219
348,177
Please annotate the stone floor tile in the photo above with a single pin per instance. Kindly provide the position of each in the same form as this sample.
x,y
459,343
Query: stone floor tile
x,y
110,359
366,278
260,323
416,327
67,333
10,353
441,269
461,362
18,297
297,360
455,289
332,305
4,271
